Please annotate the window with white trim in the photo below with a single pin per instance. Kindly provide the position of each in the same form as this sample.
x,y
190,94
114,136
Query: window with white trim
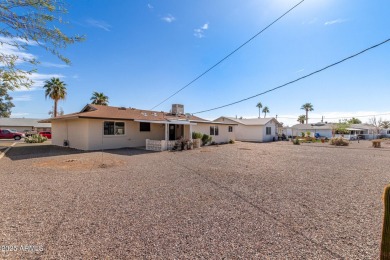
x,y
113,128
268,130
214,130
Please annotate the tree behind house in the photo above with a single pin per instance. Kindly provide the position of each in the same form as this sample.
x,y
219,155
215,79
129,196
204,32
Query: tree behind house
x,y
307,107
99,99
29,23
56,90
5,102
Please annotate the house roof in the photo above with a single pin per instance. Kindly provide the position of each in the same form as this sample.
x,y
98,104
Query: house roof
x,y
313,126
20,122
363,126
250,121
122,113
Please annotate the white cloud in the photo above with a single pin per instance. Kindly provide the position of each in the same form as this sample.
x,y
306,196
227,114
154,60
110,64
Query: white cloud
x,y
39,81
301,70
22,98
6,48
53,65
199,32
168,18
99,24
19,115
335,21
150,6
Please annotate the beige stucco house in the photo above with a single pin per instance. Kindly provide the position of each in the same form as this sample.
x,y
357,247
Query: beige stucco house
x,y
98,127
24,124
253,129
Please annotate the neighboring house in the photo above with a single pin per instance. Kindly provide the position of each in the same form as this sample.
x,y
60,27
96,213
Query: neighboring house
x,y
385,132
322,129
253,129
24,124
286,130
98,127
367,131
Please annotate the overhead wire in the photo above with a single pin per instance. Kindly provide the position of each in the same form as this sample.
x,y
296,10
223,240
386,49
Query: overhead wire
x,y
298,79
227,56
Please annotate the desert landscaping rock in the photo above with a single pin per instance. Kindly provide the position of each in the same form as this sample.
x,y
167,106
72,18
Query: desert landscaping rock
x,y
244,200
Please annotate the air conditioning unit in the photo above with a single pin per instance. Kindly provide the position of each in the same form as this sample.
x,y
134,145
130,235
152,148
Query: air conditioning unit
x,y
177,109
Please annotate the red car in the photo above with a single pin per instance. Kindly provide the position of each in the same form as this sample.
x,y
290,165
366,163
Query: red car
x,y
45,134
8,134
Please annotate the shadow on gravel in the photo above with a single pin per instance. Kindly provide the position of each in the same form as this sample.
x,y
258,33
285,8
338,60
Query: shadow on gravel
x,y
44,151
29,152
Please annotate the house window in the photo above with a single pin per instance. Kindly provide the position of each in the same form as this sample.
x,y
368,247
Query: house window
x,y
230,129
144,127
214,130
114,128
268,130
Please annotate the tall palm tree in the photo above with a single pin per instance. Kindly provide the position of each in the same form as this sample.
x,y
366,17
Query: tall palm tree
x,y
265,111
99,99
259,106
301,119
56,90
307,107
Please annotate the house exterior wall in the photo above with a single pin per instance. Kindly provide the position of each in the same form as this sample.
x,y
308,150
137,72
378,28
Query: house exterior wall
x,y
87,134
253,133
323,132
133,137
75,131
223,132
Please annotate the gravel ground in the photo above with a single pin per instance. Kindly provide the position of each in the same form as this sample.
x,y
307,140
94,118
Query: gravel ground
x,y
246,200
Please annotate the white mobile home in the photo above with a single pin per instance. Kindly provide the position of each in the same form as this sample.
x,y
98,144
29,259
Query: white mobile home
x,y
253,129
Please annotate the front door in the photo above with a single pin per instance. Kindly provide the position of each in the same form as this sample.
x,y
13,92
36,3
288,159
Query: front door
x,y
172,132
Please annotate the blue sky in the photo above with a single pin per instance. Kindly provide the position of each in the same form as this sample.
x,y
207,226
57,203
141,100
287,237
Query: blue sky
x,y
139,52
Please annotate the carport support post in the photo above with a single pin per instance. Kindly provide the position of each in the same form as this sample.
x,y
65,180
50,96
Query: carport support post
x,y
166,134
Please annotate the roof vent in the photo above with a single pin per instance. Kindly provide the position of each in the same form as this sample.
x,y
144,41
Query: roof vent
x,y
121,108
154,114
144,113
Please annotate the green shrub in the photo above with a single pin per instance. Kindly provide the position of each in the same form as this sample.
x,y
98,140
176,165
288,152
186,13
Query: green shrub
x,y
231,141
339,141
303,134
206,139
35,139
296,141
196,135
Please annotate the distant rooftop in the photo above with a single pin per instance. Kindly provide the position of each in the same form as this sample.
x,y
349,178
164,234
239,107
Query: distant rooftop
x,y
20,122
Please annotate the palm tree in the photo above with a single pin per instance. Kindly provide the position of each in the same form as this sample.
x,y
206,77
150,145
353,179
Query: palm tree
x,y
307,107
385,124
265,111
99,99
301,119
56,90
259,105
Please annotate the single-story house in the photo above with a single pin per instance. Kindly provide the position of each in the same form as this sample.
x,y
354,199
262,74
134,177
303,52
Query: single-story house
x,y
366,131
323,129
253,129
24,124
98,127
385,132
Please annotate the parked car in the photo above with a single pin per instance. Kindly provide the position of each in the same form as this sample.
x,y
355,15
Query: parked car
x,y
45,134
8,134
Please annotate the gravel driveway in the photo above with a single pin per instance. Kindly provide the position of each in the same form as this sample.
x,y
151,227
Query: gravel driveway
x,y
245,200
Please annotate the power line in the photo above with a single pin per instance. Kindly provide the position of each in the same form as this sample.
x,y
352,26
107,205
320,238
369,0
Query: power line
x,y
227,56
298,79
340,117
